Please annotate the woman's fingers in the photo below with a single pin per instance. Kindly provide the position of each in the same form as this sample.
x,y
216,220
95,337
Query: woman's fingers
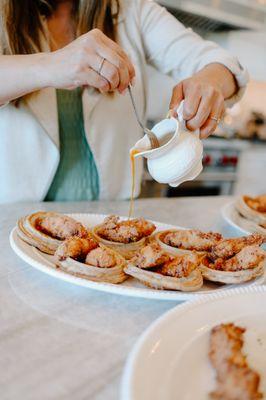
x,y
192,101
216,114
107,66
115,47
203,111
111,74
121,66
113,53
177,97
91,78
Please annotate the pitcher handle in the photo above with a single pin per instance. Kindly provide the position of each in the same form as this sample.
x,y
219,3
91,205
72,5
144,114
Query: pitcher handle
x,y
180,118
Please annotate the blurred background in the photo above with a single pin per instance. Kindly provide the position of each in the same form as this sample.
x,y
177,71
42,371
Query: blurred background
x,y
235,157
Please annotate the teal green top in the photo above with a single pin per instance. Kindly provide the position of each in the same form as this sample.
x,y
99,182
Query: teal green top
x,y
76,177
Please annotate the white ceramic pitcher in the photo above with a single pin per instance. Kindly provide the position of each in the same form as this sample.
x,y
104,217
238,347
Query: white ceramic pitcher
x,y
179,157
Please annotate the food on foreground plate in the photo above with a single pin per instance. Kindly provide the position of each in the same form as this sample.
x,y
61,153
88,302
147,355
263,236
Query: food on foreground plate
x,y
235,260
186,240
252,208
235,379
229,247
159,270
47,230
124,236
85,258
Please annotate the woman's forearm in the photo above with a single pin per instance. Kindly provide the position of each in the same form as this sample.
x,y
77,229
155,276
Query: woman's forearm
x,y
21,74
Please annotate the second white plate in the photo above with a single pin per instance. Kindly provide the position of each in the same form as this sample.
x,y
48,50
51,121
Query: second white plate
x,y
232,216
170,360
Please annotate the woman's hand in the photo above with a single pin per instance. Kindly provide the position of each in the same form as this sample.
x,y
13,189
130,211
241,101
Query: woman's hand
x,y
204,96
91,60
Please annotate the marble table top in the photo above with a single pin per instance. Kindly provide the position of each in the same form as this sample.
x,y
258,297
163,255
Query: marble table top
x,y
60,341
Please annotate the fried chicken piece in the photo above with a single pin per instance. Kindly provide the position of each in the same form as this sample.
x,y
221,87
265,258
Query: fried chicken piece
x,y
235,380
227,248
192,239
61,227
256,203
101,257
76,248
181,266
249,257
125,231
150,256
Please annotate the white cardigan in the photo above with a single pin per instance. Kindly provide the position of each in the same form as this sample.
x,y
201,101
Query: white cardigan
x,y
29,137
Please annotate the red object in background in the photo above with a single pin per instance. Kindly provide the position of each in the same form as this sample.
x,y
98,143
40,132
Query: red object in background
x,y
225,160
207,159
234,160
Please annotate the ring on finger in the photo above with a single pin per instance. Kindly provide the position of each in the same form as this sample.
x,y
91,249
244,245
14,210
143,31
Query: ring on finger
x,y
218,120
101,66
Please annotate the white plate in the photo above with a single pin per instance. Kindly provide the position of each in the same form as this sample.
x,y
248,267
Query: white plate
x,y
130,287
232,216
170,360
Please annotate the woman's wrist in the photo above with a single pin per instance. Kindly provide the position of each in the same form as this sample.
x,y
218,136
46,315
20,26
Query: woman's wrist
x,y
41,69
220,77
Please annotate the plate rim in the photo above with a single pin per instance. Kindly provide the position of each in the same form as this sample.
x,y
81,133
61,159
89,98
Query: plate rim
x,y
120,289
226,211
225,208
126,392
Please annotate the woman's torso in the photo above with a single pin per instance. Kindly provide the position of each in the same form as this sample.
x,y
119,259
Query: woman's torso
x,y
110,127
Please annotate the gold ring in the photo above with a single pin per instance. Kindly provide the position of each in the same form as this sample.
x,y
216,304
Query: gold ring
x,y
101,66
218,120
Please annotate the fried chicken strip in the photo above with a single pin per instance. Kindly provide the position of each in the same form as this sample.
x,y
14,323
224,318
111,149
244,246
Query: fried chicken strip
x,y
154,257
181,266
192,239
125,231
256,203
150,256
235,380
76,248
229,247
101,257
61,227
249,257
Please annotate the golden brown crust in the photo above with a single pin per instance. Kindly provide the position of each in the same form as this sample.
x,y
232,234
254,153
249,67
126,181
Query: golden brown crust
x,y
150,256
227,248
85,258
252,208
125,231
235,380
59,226
180,266
76,248
191,239
126,237
101,257
159,270
47,230
256,203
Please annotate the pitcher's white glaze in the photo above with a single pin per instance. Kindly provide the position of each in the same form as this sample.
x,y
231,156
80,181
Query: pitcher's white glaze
x,y
179,157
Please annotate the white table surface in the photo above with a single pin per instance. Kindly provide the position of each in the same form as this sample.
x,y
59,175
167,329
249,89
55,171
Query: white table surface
x,y
60,341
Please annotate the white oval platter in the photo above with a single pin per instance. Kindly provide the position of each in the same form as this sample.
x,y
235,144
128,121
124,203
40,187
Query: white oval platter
x,y
130,287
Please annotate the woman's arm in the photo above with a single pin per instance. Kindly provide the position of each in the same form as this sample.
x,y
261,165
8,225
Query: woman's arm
x,y
202,68
21,74
74,65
